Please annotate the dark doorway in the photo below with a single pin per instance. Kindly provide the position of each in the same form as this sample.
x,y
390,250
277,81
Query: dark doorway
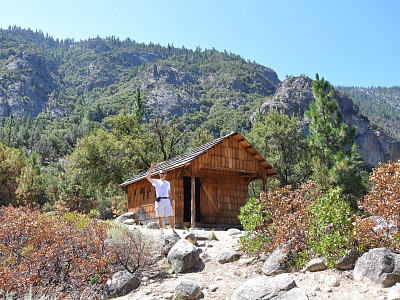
x,y
187,187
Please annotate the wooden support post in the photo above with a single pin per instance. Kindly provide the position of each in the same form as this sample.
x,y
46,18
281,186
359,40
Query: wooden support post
x,y
264,180
193,202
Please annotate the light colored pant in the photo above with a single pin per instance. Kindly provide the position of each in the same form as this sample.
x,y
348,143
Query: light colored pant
x,y
164,208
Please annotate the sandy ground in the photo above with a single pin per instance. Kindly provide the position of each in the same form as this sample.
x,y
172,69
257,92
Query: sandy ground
x,y
219,281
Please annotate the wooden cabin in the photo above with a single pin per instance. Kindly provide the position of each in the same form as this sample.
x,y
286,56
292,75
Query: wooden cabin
x,y
208,184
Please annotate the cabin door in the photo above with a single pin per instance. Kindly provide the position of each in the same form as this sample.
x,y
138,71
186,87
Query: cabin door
x,y
187,210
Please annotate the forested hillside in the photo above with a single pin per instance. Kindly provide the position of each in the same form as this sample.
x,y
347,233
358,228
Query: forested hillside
x,y
380,104
53,92
111,107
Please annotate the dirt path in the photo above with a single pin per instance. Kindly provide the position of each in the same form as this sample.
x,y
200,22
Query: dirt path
x,y
219,281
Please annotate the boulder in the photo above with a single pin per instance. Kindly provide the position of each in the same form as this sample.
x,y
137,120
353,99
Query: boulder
x,y
348,261
205,257
228,256
126,216
106,215
191,237
379,265
202,234
314,265
120,284
380,225
129,222
187,290
183,256
332,281
279,261
167,241
263,288
153,225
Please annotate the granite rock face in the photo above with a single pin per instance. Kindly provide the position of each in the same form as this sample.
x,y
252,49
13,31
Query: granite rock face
x,y
30,95
379,265
294,96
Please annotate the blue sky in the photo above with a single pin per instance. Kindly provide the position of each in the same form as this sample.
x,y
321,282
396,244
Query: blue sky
x,y
348,42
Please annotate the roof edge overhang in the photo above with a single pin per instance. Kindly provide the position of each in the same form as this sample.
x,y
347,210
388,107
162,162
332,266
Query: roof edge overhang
x,y
186,158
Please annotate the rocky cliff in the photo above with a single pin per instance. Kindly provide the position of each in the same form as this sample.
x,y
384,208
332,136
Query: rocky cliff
x,y
31,81
294,95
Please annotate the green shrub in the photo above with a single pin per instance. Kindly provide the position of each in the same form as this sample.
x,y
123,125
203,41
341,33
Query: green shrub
x,y
252,216
330,232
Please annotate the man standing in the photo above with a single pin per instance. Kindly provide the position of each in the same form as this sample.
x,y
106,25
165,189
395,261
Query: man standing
x,y
163,198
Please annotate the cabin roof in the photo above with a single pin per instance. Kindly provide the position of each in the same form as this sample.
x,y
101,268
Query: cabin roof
x,y
189,156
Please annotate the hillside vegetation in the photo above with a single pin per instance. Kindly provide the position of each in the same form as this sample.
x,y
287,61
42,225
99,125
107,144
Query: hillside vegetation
x,y
58,91
79,118
380,104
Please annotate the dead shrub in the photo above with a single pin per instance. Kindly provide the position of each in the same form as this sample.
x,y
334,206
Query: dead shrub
x,y
288,216
130,249
383,200
62,256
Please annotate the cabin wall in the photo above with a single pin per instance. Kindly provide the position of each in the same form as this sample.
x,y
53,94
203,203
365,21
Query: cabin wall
x,y
222,195
224,171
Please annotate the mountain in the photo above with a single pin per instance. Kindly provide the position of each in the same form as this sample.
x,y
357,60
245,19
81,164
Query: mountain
x,y
294,96
380,104
53,92
42,75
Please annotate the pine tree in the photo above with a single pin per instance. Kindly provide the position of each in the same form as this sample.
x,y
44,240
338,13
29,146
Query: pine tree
x,y
30,191
328,134
336,159
138,105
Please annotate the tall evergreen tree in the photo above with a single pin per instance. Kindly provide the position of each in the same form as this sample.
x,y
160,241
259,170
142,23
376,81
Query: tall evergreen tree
x,y
336,159
328,134
30,191
138,109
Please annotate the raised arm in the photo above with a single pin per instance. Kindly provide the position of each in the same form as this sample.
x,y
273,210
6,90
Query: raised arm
x,y
149,174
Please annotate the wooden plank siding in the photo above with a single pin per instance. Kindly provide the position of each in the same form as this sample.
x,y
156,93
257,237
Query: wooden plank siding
x,y
224,168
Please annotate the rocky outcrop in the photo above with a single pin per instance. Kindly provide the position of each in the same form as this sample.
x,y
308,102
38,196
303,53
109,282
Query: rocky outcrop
x,y
33,79
133,59
166,95
379,265
294,95
279,261
120,284
187,290
183,256
279,287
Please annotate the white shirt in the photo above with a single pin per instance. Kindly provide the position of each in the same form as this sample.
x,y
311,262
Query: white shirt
x,y
162,187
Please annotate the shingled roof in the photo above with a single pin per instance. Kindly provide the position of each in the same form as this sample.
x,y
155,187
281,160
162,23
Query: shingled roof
x,y
191,155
